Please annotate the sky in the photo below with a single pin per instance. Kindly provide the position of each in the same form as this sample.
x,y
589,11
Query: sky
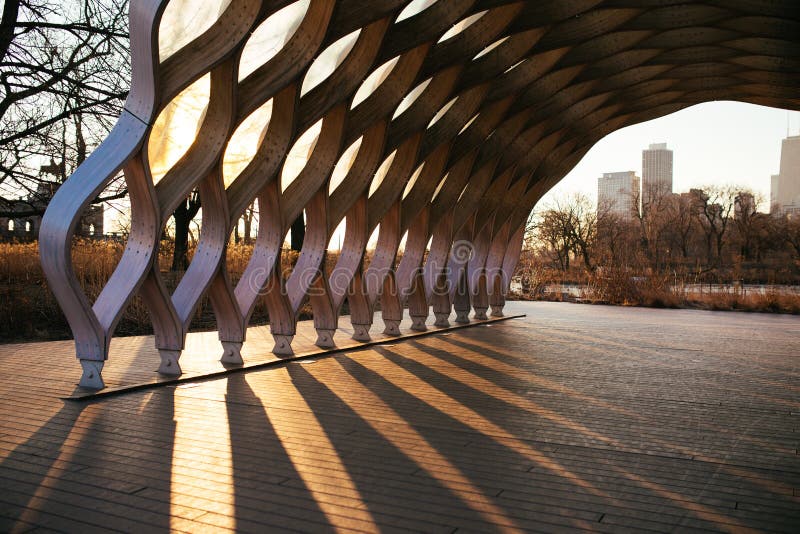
x,y
716,143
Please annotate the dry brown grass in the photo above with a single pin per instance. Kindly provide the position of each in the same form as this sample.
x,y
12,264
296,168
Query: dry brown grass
x,y
625,287
32,312
769,301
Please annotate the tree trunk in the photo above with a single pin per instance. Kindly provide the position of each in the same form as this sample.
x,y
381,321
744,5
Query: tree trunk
x,y
298,233
720,243
587,261
183,216
7,23
248,225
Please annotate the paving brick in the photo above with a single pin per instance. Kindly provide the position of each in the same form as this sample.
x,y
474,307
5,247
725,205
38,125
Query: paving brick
x,y
559,421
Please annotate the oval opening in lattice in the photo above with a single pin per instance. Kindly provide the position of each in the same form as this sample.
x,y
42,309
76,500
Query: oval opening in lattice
x,y
460,26
442,111
337,239
414,8
401,248
413,180
344,164
299,154
176,127
245,141
185,20
462,193
439,187
271,36
410,98
469,123
328,60
369,249
380,174
373,81
490,47
515,65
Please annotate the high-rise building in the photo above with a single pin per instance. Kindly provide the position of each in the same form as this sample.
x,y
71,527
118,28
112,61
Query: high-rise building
x,y
618,193
785,187
656,171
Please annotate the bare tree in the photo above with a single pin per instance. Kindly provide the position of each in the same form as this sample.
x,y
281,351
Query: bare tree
x,y
791,231
183,216
654,217
582,228
64,71
747,221
684,224
714,207
550,231
616,240
569,228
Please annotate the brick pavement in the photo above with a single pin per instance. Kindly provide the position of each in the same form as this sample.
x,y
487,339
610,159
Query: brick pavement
x,y
574,417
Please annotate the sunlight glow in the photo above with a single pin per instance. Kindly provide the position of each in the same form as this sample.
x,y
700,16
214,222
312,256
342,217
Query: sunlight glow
x,y
398,431
460,26
299,154
328,60
373,81
183,20
245,141
214,431
176,127
439,400
380,174
81,430
270,36
318,486
344,164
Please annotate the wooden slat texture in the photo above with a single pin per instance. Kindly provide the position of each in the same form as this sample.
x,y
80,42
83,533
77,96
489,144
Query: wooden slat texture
x,y
571,418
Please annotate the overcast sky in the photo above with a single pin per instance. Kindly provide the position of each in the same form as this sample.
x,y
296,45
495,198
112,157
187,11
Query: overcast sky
x,y
712,143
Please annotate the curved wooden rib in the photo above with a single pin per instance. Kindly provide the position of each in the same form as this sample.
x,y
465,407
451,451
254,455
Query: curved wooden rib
x,y
379,277
310,189
69,202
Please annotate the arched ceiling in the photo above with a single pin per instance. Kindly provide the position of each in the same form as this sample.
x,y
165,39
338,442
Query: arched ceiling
x,y
527,87
537,83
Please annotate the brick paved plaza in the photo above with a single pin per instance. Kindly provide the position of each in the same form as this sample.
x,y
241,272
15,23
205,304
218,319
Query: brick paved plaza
x,y
573,417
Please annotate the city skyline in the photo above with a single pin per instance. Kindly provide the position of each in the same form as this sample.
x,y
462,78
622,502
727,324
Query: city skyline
x,y
618,192
656,177
716,143
785,189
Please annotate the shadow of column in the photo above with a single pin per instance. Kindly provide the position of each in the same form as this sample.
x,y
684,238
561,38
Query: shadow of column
x,y
439,429
93,465
383,474
260,465
24,470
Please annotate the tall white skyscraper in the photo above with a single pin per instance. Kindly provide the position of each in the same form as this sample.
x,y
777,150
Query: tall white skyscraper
x,y
656,171
785,191
618,193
